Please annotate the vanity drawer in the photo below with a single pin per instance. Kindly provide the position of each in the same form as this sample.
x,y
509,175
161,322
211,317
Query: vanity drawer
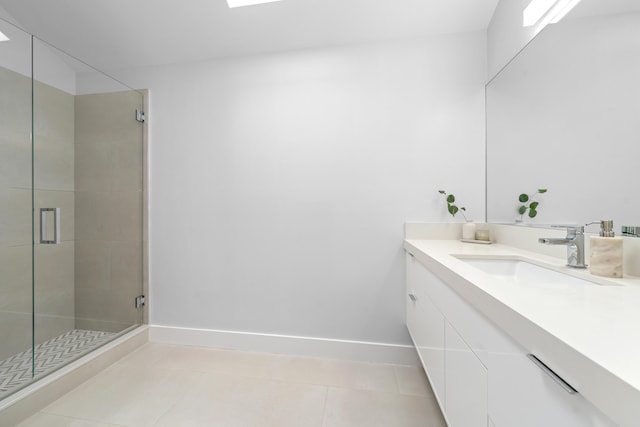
x,y
465,383
426,327
522,393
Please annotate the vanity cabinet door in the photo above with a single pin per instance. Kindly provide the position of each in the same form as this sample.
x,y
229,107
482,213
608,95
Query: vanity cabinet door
x,y
522,394
466,383
426,326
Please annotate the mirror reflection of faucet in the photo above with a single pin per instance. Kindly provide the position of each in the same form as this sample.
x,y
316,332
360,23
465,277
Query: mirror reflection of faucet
x,y
630,230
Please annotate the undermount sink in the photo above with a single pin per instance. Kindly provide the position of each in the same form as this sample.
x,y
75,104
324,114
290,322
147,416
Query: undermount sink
x,y
523,272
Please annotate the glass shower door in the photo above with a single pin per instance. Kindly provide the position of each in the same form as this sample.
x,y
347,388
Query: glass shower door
x,y
16,326
71,209
53,189
88,203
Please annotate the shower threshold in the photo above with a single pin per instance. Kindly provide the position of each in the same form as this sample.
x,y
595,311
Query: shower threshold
x,y
16,371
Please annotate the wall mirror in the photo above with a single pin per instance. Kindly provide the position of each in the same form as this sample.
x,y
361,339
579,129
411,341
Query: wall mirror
x,y
564,115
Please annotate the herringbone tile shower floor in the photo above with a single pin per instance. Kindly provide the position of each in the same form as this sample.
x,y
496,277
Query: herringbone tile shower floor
x,y
16,371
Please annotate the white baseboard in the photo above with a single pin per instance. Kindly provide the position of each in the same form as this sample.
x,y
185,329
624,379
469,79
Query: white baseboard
x,y
284,344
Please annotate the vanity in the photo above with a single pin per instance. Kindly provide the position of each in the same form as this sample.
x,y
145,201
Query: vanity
x,y
512,337
507,333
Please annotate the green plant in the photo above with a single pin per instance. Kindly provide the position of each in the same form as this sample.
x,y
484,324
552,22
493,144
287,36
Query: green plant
x,y
451,208
529,203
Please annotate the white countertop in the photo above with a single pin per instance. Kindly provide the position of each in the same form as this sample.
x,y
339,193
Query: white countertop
x,y
589,335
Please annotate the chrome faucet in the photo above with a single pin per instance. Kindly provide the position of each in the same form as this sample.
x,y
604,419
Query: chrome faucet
x,y
575,245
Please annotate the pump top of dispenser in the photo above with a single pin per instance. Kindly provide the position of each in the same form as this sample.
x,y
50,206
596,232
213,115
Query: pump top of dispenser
x,y
606,228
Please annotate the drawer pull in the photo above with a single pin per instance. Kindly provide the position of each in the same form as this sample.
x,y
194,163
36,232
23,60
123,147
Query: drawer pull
x,y
413,298
565,385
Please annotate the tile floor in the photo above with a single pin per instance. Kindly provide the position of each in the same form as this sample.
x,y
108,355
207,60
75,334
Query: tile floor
x,y
162,385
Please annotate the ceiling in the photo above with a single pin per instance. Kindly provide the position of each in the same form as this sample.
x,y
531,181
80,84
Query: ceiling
x,y
117,34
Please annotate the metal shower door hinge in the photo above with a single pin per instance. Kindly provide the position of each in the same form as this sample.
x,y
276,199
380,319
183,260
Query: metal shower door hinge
x,y
140,301
140,116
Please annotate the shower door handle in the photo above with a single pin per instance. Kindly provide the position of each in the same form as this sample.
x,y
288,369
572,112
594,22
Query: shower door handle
x,y
44,216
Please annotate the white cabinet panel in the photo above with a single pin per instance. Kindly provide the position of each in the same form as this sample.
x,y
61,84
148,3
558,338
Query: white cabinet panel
x,y
466,383
426,326
521,394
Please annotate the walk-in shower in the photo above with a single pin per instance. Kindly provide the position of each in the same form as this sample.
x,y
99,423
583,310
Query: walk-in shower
x,y
71,209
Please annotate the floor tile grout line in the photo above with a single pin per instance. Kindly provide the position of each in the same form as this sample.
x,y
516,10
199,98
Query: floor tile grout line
x,y
324,407
178,400
89,420
279,381
169,408
269,377
395,375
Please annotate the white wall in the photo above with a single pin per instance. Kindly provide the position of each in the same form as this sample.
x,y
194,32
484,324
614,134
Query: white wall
x,y
280,183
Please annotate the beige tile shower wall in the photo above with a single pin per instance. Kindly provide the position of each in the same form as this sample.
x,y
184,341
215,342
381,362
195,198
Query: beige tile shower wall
x,y
54,176
54,118
108,201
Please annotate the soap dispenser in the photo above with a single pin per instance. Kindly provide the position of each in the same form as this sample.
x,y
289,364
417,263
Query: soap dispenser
x,y
606,252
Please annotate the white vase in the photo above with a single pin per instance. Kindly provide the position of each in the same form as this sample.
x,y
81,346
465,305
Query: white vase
x,y
469,230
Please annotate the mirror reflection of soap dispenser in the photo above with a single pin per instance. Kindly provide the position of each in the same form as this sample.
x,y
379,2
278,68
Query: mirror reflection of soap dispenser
x,y
606,252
